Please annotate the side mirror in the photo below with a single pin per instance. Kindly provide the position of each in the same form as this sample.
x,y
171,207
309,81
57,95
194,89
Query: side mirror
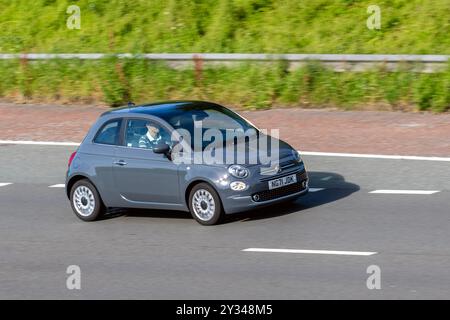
x,y
162,148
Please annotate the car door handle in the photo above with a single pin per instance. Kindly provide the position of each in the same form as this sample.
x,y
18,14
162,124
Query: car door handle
x,y
120,163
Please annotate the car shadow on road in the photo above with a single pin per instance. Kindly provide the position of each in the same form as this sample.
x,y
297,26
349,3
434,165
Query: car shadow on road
x,y
146,213
334,185
334,188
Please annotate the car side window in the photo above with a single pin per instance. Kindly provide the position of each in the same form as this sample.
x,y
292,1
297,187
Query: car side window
x,y
109,133
145,134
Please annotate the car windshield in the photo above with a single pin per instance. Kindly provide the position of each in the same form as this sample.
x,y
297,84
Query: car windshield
x,y
194,118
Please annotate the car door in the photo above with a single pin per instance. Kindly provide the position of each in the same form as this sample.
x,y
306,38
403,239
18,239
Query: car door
x,y
97,159
141,176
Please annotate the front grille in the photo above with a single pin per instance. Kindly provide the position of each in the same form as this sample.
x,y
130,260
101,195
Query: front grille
x,y
287,164
267,195
282,174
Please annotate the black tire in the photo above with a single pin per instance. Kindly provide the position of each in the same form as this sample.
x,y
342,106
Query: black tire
x,y
218,214
98,207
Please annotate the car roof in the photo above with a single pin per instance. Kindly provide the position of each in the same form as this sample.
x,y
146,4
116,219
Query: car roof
x,y
159,108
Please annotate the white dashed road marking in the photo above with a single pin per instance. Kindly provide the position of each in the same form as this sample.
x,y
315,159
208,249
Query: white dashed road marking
x,y
315,189
405,191
345,253
3,184
61,185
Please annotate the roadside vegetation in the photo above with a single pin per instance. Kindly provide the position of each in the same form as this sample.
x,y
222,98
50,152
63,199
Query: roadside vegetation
x,y
252,26
243,26
115,82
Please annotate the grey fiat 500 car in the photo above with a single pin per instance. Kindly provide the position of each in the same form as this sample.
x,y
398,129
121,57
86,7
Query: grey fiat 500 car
x,y
137,157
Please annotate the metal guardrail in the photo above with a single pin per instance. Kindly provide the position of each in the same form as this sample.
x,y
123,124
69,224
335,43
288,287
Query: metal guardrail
x,y
336,62
238,57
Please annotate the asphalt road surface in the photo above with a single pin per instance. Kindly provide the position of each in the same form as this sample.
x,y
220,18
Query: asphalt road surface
x,y
167,255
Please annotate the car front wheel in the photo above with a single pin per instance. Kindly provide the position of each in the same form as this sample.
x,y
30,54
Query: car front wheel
x,y
205,205
86,201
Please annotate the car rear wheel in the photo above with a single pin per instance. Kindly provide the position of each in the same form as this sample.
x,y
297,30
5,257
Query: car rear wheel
x,y
86,201
205,205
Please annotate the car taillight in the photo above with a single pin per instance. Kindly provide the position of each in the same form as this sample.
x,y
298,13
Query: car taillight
x,y
71,158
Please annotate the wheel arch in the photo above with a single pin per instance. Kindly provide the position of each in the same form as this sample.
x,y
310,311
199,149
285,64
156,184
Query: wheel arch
x,y
195,182
76,178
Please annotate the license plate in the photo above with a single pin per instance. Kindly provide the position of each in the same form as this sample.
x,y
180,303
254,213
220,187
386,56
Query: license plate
x,y
280,182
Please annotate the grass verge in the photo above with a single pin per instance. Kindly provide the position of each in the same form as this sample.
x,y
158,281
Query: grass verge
x,y
248,85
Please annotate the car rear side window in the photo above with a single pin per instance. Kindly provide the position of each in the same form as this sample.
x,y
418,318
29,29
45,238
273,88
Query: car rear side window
x,y
109,133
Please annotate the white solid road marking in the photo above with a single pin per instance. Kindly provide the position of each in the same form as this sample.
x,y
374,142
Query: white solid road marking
x,y
61,185
405,191
44,143
345,253
3,184
315,189
373,156
308,153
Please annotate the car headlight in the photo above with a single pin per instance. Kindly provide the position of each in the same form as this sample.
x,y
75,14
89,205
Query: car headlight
x,y
238,171
297,156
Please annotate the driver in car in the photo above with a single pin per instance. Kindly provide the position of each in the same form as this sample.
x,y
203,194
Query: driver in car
x,y
151,138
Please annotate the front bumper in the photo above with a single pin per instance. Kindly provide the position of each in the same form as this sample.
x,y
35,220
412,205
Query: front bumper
x,y
244,201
